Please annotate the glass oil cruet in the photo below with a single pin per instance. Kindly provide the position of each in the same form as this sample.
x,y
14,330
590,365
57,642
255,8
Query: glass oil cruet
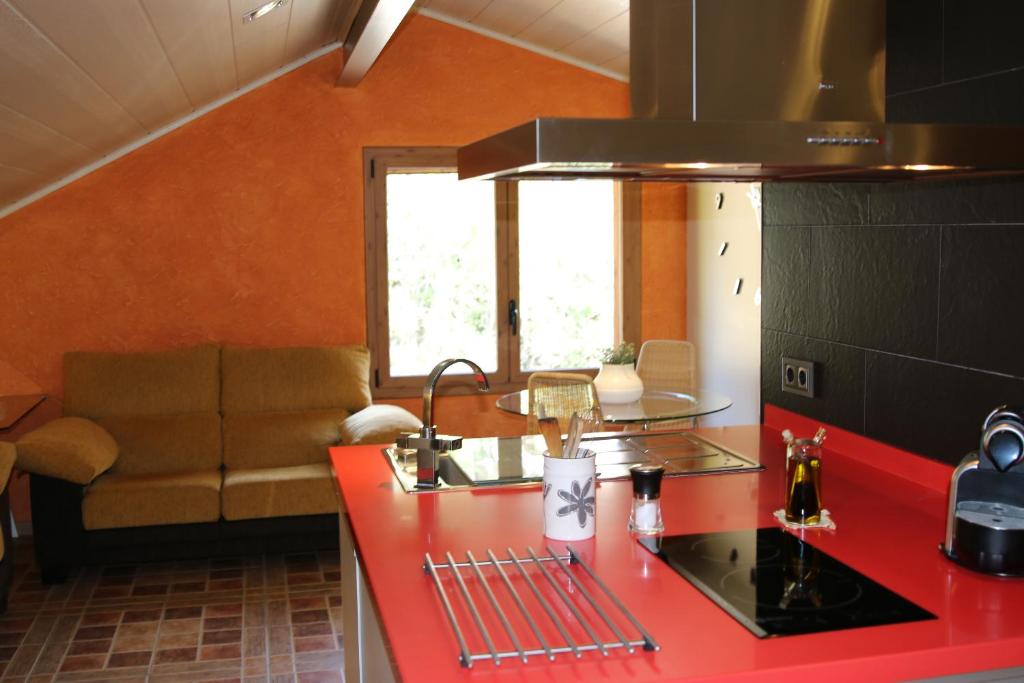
x,y
803,478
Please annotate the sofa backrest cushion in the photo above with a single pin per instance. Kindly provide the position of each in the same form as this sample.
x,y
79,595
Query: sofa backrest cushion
x,y
174,382
257,440
295,379
165,444
161,407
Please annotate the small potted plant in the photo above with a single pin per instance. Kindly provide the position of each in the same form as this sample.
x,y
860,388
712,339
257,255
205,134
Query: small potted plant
x,y
617,381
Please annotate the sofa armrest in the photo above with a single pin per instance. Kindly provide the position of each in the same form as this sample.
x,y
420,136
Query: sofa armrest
x,y
7,549
379,423
70,448
8,453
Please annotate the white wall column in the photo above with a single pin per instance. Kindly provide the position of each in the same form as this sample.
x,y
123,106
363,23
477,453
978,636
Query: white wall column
x,y
723,294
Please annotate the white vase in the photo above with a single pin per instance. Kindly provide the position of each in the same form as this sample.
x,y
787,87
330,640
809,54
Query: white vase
x,y
617,383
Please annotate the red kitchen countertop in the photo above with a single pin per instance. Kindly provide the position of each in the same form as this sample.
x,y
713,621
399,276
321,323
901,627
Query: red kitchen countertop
x,y
889,507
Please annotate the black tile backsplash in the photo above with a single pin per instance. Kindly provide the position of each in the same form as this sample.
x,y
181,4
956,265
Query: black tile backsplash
x,y
907,296
875,287
786,285
980,37
981,298
997,99
818,204
946,203
838,378
930,408
914,43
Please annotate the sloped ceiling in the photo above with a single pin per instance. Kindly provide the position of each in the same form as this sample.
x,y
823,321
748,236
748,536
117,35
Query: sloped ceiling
x,y
82,81
591,33
82,78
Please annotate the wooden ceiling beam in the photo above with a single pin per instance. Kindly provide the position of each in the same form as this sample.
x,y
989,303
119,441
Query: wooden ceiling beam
x,y
374,23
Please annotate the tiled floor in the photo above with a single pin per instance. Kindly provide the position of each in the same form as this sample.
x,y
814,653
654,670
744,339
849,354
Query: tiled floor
x,y
266,618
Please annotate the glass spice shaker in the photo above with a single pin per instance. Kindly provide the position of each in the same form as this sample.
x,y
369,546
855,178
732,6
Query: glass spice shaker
x,y
645,515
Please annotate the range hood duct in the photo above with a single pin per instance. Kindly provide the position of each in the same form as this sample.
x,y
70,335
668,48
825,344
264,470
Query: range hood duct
x,y
750,90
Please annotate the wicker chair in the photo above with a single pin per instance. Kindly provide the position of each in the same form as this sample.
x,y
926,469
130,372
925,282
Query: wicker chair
x,y
561,394
668,365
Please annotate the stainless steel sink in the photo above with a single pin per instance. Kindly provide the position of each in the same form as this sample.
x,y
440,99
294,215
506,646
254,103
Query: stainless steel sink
x,y
449,474
519,461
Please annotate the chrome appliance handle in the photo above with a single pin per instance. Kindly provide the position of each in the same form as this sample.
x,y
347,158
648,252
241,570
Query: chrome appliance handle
x,y
970,462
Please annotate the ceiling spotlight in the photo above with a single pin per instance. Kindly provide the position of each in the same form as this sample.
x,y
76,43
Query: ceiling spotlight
x,y
262,10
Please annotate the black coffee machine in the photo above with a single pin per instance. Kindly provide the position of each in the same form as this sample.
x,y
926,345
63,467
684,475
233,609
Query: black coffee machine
x,y
985,522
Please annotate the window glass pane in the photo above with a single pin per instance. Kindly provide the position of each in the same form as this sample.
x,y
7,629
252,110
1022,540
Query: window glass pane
x,y
441,272
566,272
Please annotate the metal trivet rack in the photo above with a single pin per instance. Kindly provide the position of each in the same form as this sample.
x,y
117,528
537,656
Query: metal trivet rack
x,y
535,595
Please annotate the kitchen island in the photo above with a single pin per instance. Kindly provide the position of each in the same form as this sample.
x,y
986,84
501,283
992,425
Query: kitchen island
x,y
888,505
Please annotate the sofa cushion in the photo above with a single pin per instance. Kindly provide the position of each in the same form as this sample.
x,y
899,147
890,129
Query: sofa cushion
x,y
164,444
279,492
380,423
156,383
123,500
295,379
280,439
71,448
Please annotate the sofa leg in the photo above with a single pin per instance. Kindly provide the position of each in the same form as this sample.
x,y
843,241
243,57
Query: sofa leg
x,y
52,575
57,526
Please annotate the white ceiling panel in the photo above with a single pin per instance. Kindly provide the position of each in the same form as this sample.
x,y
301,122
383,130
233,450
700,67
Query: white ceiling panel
x,y
17,182
114,42
31,146
570,20
196,34
81,79
512,16
457,9
344,15
619,64
41,82
310,23
259,45
608,40
593,34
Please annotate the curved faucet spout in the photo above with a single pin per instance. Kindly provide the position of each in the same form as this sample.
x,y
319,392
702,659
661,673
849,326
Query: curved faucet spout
x,y
435,374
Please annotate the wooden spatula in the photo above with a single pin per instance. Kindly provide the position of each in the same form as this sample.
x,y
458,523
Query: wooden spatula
x,y
552,435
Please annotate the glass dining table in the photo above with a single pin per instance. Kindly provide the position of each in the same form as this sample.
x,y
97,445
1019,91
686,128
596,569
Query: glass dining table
x,y
651,408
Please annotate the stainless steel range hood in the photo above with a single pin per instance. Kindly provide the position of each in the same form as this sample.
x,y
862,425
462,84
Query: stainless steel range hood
x,y
750,90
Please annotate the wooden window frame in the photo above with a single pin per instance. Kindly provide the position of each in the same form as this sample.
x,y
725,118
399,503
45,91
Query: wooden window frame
x,y
376,162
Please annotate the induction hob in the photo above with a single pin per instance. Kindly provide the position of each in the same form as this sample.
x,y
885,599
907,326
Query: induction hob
x,y
776,584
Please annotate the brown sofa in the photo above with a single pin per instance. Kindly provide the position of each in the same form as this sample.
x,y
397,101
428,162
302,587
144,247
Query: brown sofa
x,y
198,452
7,456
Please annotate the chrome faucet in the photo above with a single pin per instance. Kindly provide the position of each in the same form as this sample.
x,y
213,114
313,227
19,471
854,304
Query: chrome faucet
x,y
428,443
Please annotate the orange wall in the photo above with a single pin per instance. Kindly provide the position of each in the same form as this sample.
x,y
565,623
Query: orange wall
x,y
663,255
246,225
14,383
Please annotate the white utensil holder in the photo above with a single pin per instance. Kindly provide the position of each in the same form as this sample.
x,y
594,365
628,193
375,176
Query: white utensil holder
x,y
570,496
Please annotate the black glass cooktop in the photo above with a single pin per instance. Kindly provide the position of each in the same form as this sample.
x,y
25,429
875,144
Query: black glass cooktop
x,y
778,585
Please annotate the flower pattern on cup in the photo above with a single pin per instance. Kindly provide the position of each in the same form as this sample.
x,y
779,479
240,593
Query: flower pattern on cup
x,y
578,502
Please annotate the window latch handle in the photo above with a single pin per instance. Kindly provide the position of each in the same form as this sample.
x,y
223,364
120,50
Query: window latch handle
x,y
513,316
